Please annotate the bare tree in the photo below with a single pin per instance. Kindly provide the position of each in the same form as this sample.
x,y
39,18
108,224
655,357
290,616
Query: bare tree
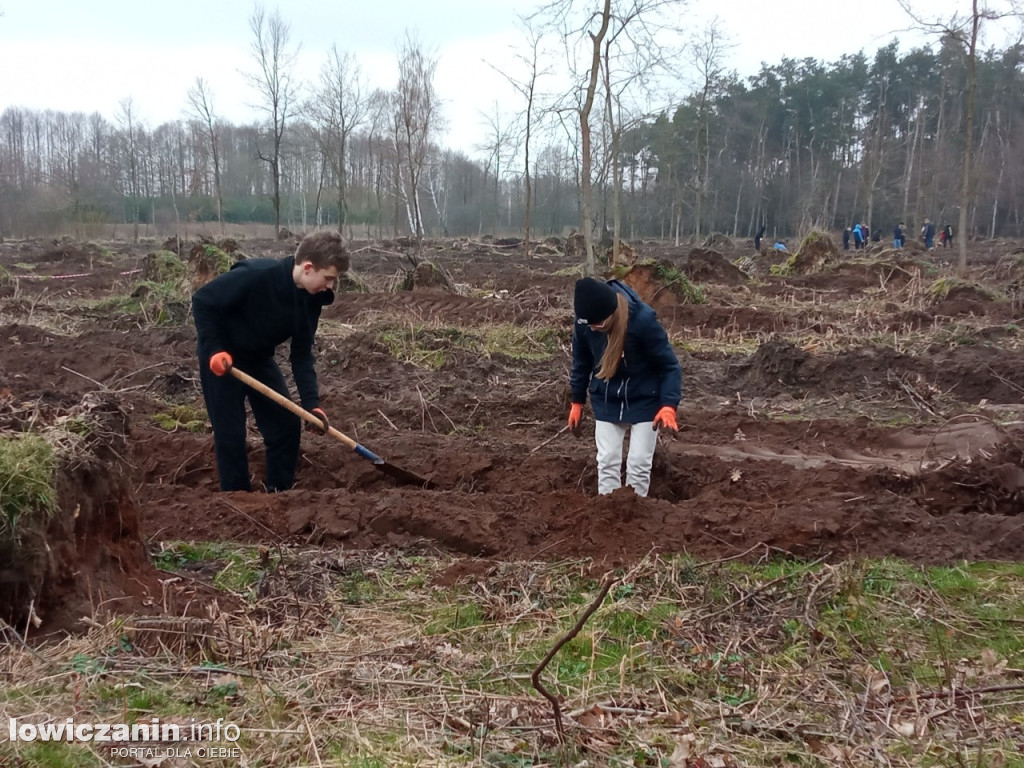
x,y
586,190
965,29
627,27
129,124
275,60
417,119
527,87
339,106
201,101
499,147
708,60
380,148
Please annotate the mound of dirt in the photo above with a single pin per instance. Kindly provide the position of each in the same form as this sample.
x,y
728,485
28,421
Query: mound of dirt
x,y
708,266
775,363
575,247
162,266
719,242
88,560
626,256
428,276
816,251
964,299
175,245
206,261
655,285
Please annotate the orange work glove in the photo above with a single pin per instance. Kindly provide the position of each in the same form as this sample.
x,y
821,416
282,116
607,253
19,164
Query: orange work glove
x,y
575,416
319,413
666,417
221,363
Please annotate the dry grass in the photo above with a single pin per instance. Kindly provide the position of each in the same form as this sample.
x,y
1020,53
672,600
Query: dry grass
x,y
362,659
357,658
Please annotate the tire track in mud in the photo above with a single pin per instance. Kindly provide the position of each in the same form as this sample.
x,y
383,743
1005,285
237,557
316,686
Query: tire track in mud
x,y
906,452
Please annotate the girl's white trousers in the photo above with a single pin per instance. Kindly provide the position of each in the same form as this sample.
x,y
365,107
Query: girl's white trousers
x,y
642,440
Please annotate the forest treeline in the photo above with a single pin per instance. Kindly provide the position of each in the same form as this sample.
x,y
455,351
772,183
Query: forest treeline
x,y
801,144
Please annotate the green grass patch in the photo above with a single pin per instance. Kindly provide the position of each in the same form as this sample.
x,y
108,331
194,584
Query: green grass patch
x,y
182,418
164,267
455,617
155,303
389,668
360,587
27,492
56,754
233,567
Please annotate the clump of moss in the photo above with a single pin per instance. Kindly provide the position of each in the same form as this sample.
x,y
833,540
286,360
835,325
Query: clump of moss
x,y
28,494
816,238
668,275
163,267
206,261
619,271
181,418
219,257
680,284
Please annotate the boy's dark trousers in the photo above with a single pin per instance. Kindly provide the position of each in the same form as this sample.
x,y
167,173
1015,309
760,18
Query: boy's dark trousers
x,y
282,430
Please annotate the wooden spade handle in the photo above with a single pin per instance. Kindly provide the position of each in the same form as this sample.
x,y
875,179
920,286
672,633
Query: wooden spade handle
x,y
298,410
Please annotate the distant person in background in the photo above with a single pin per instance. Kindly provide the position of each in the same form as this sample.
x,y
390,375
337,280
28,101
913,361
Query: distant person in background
x,y
876,236
622,359
846,238
947,236
928,234
899,236
757,238
858,237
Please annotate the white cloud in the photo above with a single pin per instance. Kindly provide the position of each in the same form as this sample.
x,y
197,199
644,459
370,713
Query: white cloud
x,y
70,55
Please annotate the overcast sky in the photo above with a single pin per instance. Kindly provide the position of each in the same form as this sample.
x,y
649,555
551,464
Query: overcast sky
x,y
75,55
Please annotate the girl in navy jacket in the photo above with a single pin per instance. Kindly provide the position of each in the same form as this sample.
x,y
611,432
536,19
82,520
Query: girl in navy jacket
x,y
622,359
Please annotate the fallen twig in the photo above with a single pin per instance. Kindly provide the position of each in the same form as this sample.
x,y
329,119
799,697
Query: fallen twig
x,y
541,445
535,677
762,588
963,692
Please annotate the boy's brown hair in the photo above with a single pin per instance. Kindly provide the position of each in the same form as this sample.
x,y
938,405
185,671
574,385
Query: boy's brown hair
x,y
322,250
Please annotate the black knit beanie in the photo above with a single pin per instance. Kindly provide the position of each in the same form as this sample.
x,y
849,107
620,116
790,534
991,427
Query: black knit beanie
x,y
594,301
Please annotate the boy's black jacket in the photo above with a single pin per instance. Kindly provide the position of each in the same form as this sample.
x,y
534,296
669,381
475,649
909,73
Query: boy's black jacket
x,y
251,309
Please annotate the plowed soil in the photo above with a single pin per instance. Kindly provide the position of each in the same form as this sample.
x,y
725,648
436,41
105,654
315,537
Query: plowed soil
x,y
854,411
